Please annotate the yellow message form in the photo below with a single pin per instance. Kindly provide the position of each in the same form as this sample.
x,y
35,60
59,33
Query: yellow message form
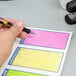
x,y
38,59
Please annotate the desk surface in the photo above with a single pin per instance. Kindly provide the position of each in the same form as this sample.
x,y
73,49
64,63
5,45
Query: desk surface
x,y
45,14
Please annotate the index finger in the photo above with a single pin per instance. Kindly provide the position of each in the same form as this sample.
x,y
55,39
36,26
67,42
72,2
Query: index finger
x,y
13,20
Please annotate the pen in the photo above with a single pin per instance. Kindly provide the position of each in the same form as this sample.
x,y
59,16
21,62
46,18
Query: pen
x,y
3,21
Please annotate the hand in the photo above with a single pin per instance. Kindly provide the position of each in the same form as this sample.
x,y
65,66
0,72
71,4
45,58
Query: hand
x,y
7,38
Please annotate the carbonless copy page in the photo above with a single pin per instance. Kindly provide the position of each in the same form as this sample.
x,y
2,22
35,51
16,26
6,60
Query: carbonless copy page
x,y
49,61
49,39
9,72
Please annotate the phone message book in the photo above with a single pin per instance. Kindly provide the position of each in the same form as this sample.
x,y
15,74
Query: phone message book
x,y
40,54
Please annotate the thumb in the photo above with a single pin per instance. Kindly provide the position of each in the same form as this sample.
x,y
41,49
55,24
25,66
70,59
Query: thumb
x,y
16,29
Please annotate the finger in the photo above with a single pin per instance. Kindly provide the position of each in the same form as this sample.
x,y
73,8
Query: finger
x,y
5,26
16,29
3,29
13,20
22,35
1,25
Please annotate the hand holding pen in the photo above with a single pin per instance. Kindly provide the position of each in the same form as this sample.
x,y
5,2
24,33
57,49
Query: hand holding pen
x,y
6,23
9,24
7,37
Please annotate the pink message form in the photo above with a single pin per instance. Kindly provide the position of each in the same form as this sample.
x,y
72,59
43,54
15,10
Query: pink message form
x,y
48,39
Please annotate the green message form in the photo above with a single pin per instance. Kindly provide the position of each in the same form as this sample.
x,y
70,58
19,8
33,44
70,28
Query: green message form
x,y
20,73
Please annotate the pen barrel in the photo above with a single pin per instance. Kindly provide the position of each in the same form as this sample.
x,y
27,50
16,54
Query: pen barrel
x,y
26,30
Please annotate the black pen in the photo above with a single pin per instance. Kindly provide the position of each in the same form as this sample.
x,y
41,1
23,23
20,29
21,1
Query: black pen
x,y
3,21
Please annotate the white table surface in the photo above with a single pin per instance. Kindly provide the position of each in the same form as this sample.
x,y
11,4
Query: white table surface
x,y
44,14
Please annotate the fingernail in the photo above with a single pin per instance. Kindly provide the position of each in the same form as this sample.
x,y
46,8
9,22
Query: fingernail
x,y
20,24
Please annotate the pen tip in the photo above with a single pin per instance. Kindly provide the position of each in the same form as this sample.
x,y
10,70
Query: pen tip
x,y
32,32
